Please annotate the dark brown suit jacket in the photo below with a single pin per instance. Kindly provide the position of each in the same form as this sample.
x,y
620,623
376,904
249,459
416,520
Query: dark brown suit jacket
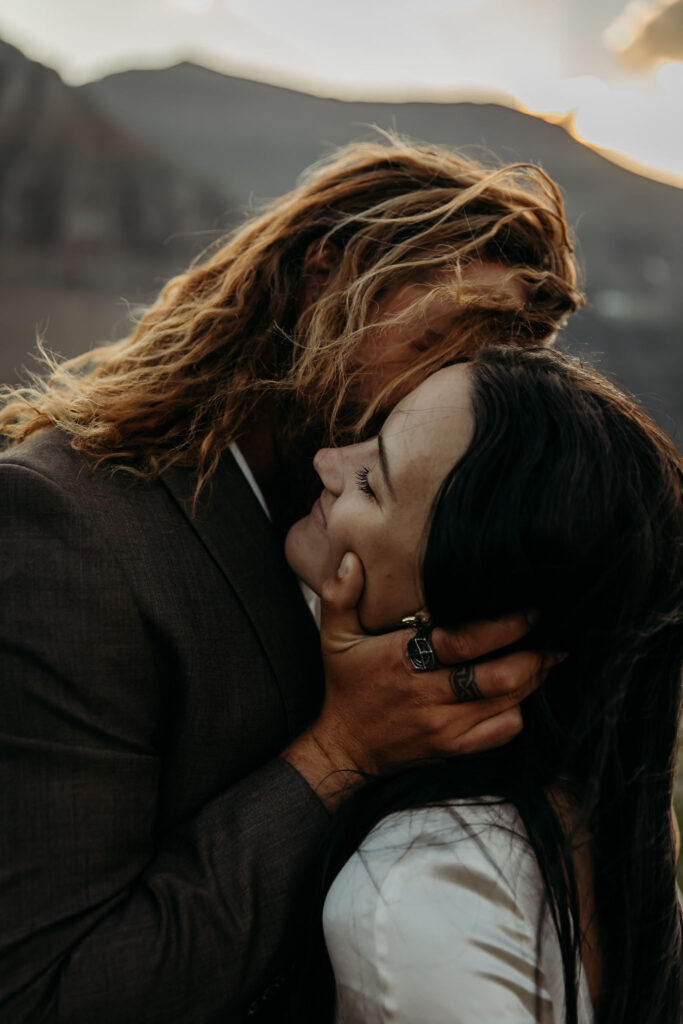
x,y
152,667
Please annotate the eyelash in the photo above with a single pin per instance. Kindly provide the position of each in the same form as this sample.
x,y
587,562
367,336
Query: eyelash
x,y
362,478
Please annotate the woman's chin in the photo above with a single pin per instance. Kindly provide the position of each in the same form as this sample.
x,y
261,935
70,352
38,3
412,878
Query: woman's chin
x,y
301,551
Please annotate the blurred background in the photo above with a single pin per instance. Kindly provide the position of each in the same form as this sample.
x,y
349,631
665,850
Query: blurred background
x,y
133,134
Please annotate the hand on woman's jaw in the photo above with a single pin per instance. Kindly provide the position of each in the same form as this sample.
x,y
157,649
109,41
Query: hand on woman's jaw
x,y
378,712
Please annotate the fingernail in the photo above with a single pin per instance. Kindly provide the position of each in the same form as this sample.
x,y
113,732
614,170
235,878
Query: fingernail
x,y
532,616
344,566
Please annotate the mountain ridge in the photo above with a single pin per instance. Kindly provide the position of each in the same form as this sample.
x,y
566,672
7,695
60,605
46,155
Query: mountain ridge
x,y
73,178
213,146
209,96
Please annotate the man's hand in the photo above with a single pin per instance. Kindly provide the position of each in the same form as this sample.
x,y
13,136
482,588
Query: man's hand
x,y
379,711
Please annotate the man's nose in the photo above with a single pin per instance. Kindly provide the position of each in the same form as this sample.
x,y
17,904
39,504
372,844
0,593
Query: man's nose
x,y
327,464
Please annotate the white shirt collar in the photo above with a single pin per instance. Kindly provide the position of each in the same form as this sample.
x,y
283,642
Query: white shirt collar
x,y
310,596
251,479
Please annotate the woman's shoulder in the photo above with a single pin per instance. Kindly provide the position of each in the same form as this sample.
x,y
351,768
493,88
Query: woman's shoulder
x,y
444,903
452,845
485,819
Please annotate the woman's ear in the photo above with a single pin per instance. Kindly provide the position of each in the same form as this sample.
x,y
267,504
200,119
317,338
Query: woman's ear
x,y
320,259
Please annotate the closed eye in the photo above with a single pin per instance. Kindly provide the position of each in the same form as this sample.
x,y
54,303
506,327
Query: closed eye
x,y
363,483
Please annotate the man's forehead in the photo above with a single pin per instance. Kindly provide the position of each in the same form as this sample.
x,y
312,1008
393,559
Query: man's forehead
x,y
488,272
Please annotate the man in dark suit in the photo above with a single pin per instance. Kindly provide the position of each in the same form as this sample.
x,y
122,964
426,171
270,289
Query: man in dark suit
x,y
167,769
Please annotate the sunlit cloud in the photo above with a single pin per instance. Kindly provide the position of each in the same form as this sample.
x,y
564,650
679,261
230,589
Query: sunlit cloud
x,y
634,121
628,26
644,34
439,50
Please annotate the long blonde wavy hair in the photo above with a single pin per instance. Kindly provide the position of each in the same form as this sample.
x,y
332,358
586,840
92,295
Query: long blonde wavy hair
x,y
231,336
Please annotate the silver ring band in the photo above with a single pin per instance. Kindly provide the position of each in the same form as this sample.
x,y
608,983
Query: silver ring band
x,y
420,651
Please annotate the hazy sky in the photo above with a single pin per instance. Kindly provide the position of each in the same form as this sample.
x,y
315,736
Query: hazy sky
x,y
550,55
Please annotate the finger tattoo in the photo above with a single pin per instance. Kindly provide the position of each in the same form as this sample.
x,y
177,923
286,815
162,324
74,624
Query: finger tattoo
x,y
463,683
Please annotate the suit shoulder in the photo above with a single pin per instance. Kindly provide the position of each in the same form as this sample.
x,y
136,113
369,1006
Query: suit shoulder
x,y
46,466
49,454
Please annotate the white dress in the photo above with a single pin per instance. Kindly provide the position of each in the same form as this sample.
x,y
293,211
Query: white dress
x,y
435,920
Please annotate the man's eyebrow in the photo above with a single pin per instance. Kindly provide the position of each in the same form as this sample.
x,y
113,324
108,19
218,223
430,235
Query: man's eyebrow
x,y
384,465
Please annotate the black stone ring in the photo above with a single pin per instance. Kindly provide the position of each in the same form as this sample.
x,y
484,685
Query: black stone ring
x,y
420,650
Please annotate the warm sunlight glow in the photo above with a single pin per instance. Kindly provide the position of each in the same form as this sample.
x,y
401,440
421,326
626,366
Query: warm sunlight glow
x,y
670,78
561,60
626,28
634,123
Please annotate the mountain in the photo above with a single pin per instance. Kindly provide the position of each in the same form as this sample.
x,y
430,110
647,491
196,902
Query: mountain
x,y
252,140
87,212
72,179
107,189
255,138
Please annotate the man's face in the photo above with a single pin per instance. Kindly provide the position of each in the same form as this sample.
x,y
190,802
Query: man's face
x,y
390,350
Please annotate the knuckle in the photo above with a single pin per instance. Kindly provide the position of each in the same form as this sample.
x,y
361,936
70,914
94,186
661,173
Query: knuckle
x,y
540,666
513,697
434,726
328,590
460,646
513,720
534,672
405,658
421,699
483,710
503,677
514,626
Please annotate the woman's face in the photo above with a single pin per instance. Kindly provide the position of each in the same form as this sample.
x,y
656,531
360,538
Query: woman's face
x,y
377,496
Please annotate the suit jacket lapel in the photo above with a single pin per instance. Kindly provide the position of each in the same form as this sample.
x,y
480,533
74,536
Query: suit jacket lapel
x,y
238,535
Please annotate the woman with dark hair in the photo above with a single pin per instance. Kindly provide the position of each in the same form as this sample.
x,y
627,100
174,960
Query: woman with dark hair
x,y
535,882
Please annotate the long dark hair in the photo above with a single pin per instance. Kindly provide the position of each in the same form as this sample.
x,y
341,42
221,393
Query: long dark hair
x,y
568,501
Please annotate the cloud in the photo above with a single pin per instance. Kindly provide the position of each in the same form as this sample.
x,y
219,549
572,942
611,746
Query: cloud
x,y
645,34
448,49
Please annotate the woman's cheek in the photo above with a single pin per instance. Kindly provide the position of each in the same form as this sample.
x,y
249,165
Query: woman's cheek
x,y
381,604
340,541
349,525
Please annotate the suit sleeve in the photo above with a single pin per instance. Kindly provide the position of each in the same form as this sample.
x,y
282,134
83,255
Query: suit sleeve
x,y
102,920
